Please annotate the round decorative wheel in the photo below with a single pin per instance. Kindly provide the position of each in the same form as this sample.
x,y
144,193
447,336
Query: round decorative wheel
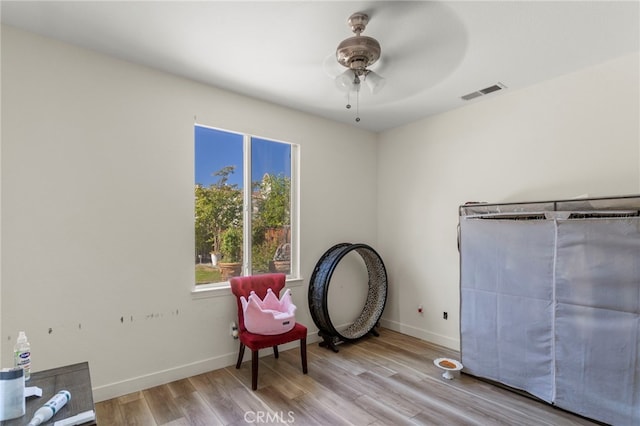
x,y
319,289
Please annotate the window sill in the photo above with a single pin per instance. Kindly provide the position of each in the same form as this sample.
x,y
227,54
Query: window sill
x,y
206,291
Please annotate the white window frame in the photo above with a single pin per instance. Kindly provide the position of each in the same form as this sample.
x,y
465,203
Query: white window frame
x,y
294,278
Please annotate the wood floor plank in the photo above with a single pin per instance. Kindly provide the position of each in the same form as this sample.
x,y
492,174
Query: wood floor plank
x,y
376,381
137,412
223,382
109,413
162,404
179,422
293,410
311,407
340,406
216,389
381,411
181,387
342,382
195,410
289,367
438,407
386,363
134,396
432,417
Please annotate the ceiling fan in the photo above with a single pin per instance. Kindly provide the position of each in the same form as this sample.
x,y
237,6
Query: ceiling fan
x,y
357,53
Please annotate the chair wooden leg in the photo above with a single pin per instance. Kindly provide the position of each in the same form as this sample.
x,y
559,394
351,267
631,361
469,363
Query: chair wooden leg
x,y
254,370
275,352
303,354
240,355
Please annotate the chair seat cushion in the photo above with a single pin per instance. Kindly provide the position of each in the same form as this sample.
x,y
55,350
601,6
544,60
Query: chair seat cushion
x,y
261,341
269,316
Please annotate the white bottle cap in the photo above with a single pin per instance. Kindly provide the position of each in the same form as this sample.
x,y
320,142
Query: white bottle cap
x,y
36,420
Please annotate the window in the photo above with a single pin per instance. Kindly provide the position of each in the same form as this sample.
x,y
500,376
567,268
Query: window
x,y
245,205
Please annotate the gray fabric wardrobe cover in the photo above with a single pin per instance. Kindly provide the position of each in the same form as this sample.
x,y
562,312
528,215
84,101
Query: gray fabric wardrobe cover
x,y
552,307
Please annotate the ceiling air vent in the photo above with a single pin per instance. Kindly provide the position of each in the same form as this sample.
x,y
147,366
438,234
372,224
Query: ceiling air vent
x,y
485,91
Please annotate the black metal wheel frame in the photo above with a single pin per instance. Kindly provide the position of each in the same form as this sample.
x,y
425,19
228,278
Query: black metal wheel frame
x,y
319,290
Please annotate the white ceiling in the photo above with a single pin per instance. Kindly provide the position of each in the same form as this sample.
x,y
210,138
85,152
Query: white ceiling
x,y
282,52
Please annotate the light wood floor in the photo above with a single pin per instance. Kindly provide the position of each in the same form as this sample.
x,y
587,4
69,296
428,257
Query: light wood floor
x,y
386,380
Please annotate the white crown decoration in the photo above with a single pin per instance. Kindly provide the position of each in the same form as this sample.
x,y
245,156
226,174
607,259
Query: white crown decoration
x,y
269,316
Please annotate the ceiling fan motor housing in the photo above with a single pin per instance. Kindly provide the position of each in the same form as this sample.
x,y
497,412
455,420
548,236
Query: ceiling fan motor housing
x,y
358,52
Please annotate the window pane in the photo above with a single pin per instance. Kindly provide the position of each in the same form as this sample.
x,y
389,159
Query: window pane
x,y
271,206
218,204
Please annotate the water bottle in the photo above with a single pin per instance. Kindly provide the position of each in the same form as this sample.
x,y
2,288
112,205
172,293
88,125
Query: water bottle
x,y
22,354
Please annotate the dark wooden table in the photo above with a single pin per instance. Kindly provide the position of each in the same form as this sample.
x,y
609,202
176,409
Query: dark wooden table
x,y
73,378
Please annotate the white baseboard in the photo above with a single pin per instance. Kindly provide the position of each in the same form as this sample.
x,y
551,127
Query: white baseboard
x,y
135,384
419,333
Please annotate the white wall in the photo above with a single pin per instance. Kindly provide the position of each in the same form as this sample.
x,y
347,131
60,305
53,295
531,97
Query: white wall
x,y
577,134
97,180
1,237
97,211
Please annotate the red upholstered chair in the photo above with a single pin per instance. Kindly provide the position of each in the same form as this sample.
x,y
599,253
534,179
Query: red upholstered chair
x,y
242,286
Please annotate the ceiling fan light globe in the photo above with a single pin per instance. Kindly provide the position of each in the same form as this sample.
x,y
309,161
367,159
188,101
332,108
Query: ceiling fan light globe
x,y
344,81
374,82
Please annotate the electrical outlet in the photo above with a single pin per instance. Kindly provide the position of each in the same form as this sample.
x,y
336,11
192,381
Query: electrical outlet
x,y
445,315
